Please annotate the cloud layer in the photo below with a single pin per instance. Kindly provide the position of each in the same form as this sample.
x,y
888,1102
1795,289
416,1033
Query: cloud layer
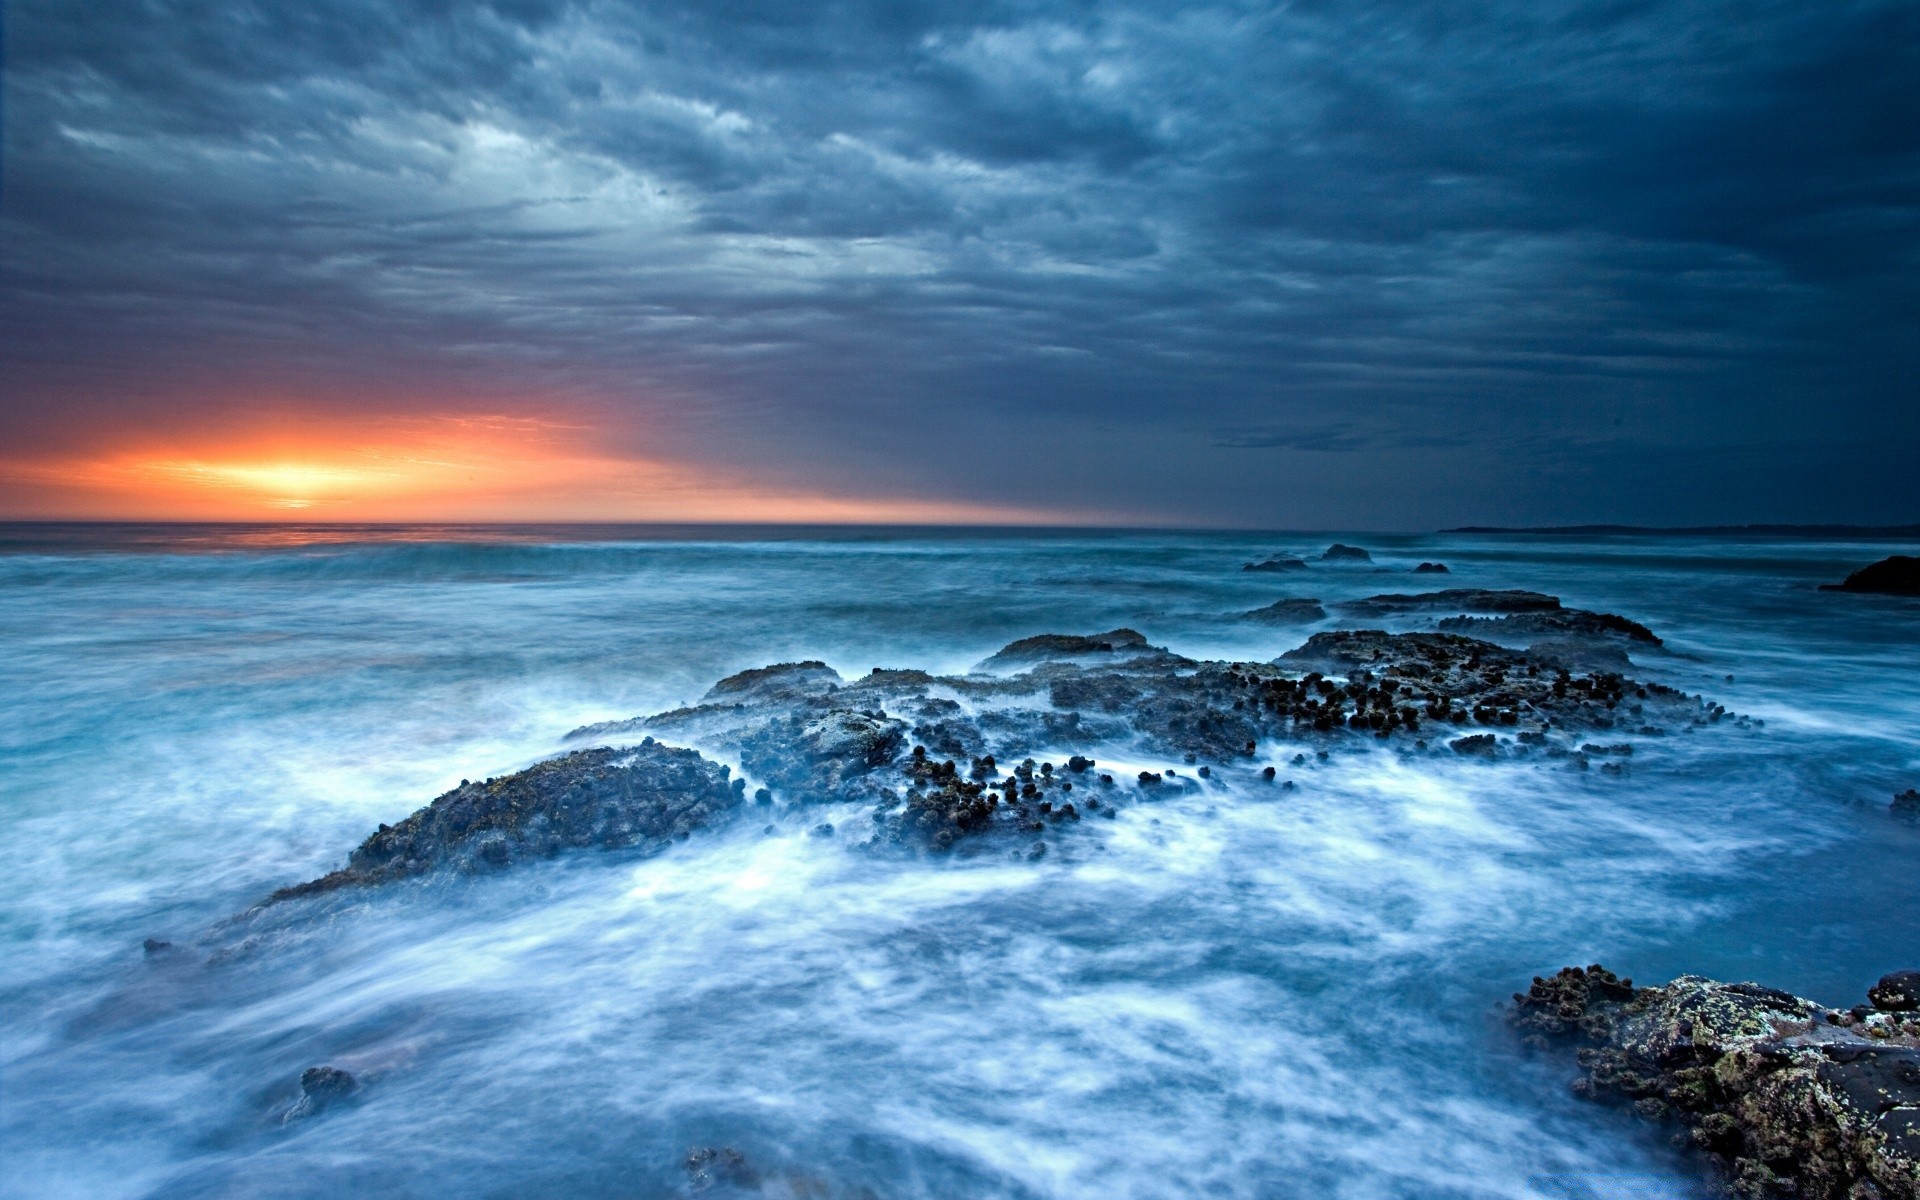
x,y
1387,264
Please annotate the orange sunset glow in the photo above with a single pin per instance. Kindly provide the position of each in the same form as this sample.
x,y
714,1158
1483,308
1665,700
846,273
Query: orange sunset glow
x,y
450,468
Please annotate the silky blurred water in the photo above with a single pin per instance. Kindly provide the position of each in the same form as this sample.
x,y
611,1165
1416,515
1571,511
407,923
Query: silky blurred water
x,y
1217,994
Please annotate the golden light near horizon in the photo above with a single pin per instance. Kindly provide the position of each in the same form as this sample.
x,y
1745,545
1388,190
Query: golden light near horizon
x,y
290,485
447,468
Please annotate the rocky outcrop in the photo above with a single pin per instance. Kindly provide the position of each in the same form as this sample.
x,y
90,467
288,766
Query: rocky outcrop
x,y
919,755
1277,563
1787,1097
1050,646
1455,600
1289,612
1339,553
1432,568
1895,576
645,795
1560,623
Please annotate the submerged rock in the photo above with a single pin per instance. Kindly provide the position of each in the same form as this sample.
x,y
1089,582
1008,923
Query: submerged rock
x,y
1895,576
1788,1097
1289,612
320,1089
1277,563
641,795
1906,805
1459,600
1338,552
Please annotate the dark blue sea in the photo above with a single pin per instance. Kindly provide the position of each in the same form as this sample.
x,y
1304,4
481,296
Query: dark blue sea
x,y
1223,994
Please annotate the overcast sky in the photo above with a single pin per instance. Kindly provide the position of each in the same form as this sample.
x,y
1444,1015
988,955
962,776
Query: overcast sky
x,y
1353,265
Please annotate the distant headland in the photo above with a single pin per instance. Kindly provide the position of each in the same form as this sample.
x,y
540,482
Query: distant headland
x,y
1866,531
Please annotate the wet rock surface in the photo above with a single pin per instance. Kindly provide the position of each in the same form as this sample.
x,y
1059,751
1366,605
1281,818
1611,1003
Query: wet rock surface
x,y
642,795
1277,563
320,1089
1455,600
1787,1097
1898,575
938,762
1289,612
1560,623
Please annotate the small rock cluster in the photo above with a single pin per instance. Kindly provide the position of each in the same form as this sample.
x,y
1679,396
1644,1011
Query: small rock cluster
x,y
1787,1097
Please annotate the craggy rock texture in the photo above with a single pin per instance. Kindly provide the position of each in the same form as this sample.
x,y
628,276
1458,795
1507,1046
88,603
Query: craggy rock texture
x,y
320,1089
1789,1098
1575,623
1289,612
1895,576
1058,645
1278,563
921,756
1457,600
642,795
931,755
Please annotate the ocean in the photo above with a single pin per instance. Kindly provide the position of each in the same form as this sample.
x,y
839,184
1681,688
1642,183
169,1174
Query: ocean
x,y
1225,993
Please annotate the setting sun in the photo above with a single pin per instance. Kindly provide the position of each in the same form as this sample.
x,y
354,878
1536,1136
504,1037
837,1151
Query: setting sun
x,y
456,467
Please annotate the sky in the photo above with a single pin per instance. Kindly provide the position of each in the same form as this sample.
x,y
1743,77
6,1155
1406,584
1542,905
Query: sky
x,y
1321,264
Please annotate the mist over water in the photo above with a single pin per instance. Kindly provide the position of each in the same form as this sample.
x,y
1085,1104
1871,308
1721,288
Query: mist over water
x,y
1223,992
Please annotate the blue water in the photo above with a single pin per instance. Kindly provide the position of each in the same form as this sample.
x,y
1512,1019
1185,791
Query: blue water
x,y
1221,994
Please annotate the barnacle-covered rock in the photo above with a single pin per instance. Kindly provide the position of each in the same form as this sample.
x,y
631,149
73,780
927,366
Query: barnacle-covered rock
x,y
1791,1099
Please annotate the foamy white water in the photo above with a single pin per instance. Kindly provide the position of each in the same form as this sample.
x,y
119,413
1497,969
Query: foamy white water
x,y
1218,993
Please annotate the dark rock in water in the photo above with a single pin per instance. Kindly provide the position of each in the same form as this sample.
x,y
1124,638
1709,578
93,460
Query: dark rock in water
x,y
804,737
1459,600
1787,1097
1581,654
1484,745
1898,992
1289,612
781,679
1338,552
1054,646
1895,576
710,1165
1906,805
1432,568
157,947
646,794
320,1089
1558,623
1277,564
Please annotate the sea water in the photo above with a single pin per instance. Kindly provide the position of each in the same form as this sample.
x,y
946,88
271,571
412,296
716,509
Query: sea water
x,y
1228,992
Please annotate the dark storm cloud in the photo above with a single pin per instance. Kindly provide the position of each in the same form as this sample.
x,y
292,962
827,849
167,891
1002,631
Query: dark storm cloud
x,y
1500,255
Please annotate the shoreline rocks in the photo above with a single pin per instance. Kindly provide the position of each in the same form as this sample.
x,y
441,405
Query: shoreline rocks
x,y
645,795
1898,575
923,754
1457,600
1289,612
1787,1097
1575,623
